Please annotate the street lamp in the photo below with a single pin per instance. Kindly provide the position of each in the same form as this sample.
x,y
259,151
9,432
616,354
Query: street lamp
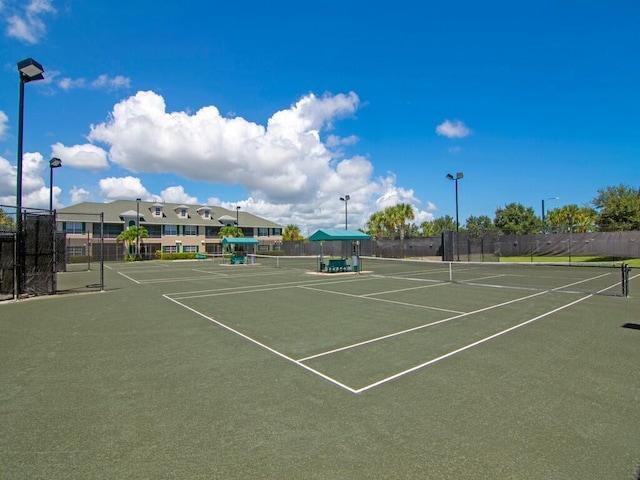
x,y
345,199
53,163
458,176
138,200
551,198
238,220
29,71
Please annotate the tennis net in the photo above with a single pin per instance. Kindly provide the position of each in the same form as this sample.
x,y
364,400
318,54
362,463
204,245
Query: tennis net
x,y
304,262
605,278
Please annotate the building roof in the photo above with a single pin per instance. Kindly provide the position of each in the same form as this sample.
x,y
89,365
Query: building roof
x,y
327,235
116,211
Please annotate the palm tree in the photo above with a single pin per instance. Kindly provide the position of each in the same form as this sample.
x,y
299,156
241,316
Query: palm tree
x,y
401,213
376,224
230,231
292,232
130,238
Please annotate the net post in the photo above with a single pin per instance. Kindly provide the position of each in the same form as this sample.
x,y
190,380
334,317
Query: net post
x,y
625,279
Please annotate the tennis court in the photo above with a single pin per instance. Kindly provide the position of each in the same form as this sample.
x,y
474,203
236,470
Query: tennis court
x,y
272,370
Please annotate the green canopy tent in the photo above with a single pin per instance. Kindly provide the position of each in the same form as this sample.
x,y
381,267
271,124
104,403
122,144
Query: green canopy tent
x,y
355,236
235,258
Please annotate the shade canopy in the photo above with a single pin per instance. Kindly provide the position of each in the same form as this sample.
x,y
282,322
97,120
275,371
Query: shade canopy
x,y
327,235
239,241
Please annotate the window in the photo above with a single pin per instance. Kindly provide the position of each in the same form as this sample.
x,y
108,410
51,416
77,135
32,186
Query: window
x,y
191,230
276,231
169,249
76,251
154,231
263,248
110,230
263,232
190,248
157,212
171,230
211,232
74,228
183,212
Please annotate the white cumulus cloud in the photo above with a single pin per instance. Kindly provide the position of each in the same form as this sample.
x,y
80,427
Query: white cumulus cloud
x,y
87,156
26,23
116,188
3,124
455,129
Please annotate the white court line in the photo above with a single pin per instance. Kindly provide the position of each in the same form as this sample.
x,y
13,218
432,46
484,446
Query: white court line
x,y
385,300
248,288
260,344
419,327
129,278
466,347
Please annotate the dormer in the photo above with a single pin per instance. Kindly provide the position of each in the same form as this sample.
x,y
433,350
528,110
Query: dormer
x,y
182,211
204,212
157,210
227,220
131,218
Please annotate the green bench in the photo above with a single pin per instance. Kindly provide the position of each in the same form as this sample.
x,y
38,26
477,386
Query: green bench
x,y
337,265
237,260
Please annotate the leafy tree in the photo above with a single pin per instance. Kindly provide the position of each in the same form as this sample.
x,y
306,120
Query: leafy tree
x,y
413,231
131,236
442,224
571,218
516,219
6,223
292,232
618,208
479,226
428,229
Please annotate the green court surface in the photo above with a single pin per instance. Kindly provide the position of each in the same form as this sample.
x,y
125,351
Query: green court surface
x,y
203,370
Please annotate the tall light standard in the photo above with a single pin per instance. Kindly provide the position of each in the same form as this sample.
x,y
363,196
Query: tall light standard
x,y
458,176
53,163
29,71
551,198
238,220
138,200
345,199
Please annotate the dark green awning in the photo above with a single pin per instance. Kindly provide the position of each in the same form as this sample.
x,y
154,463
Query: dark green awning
x,y
239,241
327,235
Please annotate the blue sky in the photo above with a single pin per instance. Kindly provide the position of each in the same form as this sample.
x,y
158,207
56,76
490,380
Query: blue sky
x,y
284,107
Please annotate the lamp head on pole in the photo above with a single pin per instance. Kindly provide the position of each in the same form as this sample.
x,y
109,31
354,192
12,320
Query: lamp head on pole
x,y
458,176
30,70
55,162
346,198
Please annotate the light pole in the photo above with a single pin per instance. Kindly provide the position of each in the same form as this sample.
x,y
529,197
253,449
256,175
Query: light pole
x,y
458,176
345,199
138,200
551,198
29,71
53,163
238,220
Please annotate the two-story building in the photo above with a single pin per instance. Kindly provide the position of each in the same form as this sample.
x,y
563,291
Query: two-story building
x,y
172,227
